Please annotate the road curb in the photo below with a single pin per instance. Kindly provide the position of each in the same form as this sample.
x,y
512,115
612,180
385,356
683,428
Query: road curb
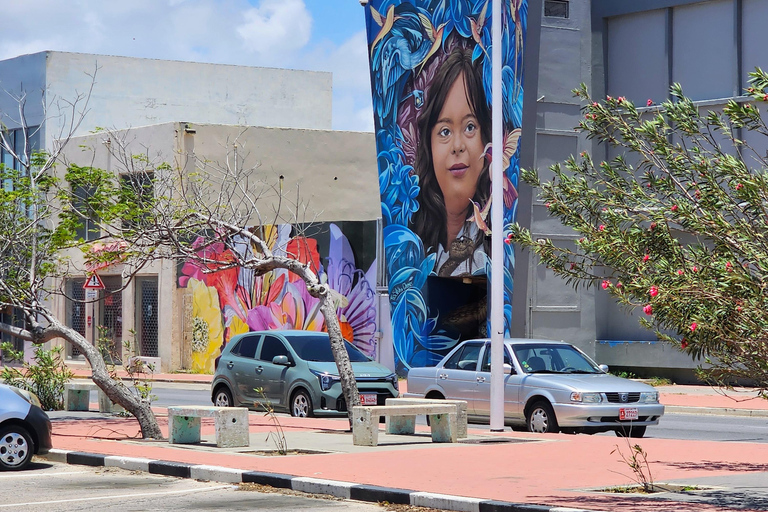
x,y
347,490
716,411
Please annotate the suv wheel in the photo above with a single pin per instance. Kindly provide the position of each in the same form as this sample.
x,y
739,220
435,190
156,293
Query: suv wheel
x,y
301,404
16,448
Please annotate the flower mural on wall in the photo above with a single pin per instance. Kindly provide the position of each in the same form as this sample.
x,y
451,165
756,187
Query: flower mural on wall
x,y
232,301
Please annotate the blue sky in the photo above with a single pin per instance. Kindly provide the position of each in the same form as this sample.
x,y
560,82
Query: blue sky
x,y
321,35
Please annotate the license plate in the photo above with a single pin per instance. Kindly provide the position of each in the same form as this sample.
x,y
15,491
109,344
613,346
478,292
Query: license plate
x,y
628,414
368,399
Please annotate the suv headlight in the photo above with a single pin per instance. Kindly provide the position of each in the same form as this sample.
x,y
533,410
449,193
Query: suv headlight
x,y
649,397
27,395
392,378
326,379
586,398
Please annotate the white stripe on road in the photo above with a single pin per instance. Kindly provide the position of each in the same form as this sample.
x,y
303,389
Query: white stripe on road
x,y
185,491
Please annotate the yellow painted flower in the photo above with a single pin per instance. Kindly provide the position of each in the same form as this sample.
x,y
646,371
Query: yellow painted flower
x,y
206,319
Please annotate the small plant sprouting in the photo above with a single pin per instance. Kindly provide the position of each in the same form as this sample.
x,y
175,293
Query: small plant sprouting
x,y
637,461
277,436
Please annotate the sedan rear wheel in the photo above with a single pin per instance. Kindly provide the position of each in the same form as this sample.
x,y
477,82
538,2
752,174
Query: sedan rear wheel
x,y
301,404
16,448
541,418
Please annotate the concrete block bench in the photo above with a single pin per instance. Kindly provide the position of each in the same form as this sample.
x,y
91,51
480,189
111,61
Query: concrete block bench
x,y
231,425
365,421
461,411
77,397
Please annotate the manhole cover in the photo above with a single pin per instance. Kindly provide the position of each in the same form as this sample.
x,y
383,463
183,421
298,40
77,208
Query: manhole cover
x,y
494,440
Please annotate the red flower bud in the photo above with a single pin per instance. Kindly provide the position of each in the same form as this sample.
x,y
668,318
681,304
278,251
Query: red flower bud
x,y
683,344
648,309
653,291
646,258
674,208
649,102
606,284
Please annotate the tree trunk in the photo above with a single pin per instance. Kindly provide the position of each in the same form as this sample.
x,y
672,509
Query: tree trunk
x,y
340,355
116,390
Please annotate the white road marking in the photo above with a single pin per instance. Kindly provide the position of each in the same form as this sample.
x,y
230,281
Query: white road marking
x,y
27,474
111,497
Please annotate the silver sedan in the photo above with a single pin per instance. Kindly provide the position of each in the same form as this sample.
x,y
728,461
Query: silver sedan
x,y
550,386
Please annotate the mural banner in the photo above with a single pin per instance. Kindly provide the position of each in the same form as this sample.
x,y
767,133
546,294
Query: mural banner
x,y
431,83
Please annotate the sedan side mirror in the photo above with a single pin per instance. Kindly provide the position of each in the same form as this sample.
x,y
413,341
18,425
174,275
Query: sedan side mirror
x,y
603,367
508,369
281,360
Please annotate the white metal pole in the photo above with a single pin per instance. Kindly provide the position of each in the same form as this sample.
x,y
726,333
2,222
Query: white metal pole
x,y
497,228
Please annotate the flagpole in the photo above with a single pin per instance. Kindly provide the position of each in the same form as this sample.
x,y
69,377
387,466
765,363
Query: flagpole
x,y
497,228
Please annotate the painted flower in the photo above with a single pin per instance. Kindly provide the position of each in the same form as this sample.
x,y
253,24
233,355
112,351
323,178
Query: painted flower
x,y
207,326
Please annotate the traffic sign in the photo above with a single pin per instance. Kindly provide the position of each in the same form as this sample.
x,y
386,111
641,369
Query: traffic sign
x,y
94,282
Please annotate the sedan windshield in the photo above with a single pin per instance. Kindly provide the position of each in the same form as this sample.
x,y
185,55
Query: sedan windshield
x,y
318,348
550,358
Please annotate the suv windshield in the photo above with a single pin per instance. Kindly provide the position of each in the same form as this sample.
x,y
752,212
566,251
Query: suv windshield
x,y
318,348
546,358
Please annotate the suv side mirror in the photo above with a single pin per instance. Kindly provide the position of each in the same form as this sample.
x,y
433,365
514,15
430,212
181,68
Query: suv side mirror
x,y
603,367
281,360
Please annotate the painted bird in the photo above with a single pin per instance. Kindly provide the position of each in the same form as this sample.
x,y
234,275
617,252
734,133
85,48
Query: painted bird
x,y
477,28
434,35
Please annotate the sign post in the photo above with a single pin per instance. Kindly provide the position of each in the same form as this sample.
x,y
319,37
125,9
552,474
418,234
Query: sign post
x,y
92,285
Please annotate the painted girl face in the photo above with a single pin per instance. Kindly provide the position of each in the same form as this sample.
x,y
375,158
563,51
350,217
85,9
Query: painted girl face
x,y
457,150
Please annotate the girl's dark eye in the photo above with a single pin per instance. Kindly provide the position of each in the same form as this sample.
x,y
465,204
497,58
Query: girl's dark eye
x,y
444,132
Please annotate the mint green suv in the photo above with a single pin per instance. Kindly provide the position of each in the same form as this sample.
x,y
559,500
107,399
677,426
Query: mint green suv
x,y
296,372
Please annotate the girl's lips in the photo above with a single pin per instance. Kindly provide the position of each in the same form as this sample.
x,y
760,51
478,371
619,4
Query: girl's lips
x,y
458,170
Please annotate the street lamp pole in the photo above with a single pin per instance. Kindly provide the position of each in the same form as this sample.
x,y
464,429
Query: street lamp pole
x,y
497,227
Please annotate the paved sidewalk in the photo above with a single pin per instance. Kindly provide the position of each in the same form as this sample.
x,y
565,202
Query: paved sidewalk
x,y
507,471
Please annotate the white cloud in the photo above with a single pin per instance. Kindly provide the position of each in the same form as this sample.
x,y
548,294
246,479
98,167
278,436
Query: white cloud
x,y
276,28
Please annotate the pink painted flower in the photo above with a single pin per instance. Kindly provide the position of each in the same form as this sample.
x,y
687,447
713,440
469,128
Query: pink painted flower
x,y
646,258
606,284
693,326
648,309
653,291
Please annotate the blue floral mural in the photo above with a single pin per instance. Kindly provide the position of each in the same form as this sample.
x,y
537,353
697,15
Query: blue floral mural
x,y
431,87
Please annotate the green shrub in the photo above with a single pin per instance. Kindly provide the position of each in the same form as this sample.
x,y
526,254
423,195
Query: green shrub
x,y
45,377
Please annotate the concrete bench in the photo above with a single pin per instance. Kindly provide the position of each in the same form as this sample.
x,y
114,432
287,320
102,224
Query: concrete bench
x,y
77,397
365,421
231,425
461,410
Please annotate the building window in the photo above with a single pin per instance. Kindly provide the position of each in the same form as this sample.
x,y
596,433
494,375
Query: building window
x,y
140,189
556,8
88,228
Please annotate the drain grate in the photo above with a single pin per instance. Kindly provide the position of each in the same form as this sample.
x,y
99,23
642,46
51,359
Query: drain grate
x,y
495,440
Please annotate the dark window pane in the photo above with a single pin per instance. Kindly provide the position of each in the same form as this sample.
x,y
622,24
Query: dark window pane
x,y
247,347
318,348
556,8
272,347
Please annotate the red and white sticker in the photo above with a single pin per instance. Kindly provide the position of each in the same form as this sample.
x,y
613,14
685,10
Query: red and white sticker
x,y
368,399
628,414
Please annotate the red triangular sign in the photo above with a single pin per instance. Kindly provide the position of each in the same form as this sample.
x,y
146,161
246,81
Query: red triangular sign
x,y
94,282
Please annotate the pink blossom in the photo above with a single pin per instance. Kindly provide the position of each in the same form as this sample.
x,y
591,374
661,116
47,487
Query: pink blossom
x,y
738,308
695,268
648,309
674,208
606,284
653,224
649,102
728,266
608,98
680,272
683,344
653,291
739,186
619,285
646,258
693,326
602,227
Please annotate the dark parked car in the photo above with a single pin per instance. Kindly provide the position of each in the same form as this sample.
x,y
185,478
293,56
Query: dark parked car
x,y
549,386
25,429
296,372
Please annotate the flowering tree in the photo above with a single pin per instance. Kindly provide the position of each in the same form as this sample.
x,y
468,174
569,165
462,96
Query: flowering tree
x,y
675,225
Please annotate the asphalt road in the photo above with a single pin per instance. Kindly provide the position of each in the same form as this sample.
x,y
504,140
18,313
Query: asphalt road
x,y
671,426
50,486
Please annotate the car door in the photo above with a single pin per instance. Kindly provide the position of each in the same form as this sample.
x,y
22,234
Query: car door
x,y
241,364
512,407
272,376
458,375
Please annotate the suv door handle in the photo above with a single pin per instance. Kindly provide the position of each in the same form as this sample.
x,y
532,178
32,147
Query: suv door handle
x,y
259,369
